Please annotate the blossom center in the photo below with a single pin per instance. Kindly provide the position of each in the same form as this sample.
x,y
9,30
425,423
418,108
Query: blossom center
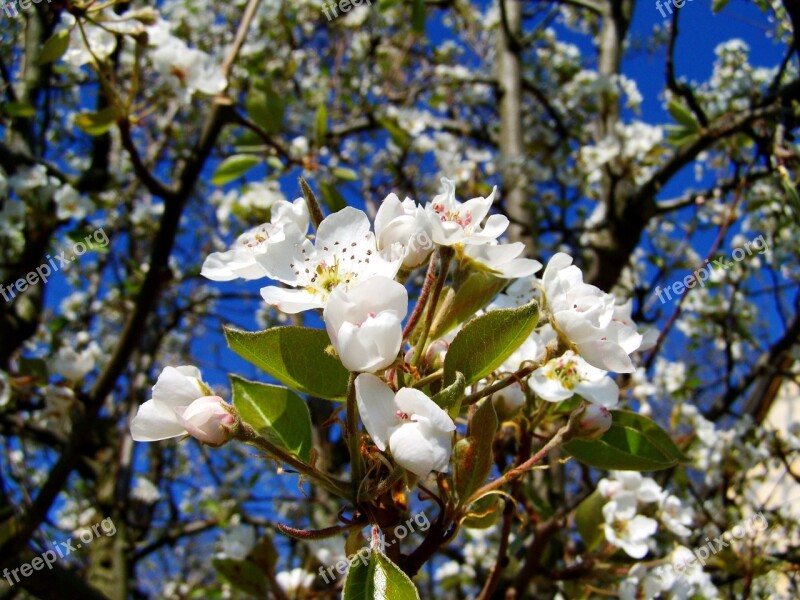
x,y
257,238
453,216
566,373
370,315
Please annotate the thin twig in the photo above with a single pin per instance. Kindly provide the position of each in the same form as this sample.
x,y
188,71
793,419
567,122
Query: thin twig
x,y
430,277
562,435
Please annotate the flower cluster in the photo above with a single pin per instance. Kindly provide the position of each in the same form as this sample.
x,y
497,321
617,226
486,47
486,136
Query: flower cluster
x,y
351,270
628,494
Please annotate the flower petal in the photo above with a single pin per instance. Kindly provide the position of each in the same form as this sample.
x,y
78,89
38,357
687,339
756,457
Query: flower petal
x,y
377,408
604,392
291,301
412,449
155,421
415,402
178,386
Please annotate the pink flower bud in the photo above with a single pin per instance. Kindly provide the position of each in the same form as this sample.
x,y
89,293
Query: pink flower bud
x,y
207,419
434,358
595,422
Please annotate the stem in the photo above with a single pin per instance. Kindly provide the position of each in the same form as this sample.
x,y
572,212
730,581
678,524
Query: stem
x,y
500,563
353,439
245,433
445,256
387,483
423,298
515,377
435,376
562,435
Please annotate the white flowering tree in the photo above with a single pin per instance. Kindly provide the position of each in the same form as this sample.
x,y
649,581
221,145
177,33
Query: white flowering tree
x,y
347,394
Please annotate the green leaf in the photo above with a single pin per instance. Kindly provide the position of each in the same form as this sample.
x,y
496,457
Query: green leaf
x,y
473,455
266,109
264,555
418,16
450,397
718,5
378,579
244,575
589,520
321,125
684,116
473,294
633,443
331,197
345,174
295,356
681,136
234,167
96,123
85,236
486,341
18,109
55,47
275,412
275,163
33,367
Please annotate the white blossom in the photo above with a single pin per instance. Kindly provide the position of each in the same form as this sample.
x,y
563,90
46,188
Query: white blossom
x,y
453,222
585,316
626,529
404,227
416,431
569,374
344,253
289,221
364,323
182,404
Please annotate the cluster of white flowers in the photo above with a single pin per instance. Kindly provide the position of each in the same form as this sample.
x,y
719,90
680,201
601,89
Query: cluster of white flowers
x,y
599,332
630,151
664,582
628,494
186,70
348,271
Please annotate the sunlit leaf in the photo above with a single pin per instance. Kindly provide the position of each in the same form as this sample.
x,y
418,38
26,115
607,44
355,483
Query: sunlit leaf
x,y
484,343
379,579
234,167
295,356
633,443
275,412
55,47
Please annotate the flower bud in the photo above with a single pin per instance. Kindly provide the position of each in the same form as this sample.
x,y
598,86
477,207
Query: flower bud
x,y
404,228
207,419
434,357
595,422
364,323
182,403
